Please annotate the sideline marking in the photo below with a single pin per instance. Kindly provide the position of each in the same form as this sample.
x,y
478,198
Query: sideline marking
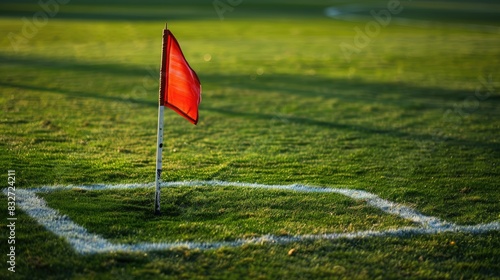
x,y
88,243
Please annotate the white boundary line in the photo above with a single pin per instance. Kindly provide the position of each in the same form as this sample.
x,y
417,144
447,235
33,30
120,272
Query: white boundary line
x,y
88,243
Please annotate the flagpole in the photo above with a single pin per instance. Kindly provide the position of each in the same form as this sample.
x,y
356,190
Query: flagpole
x,y
161,107
159,149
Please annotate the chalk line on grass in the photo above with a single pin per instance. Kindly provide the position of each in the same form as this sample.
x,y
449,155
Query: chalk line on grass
x,y
85,242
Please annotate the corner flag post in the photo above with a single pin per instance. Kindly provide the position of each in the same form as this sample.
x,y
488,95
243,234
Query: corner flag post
x,y
159,149
180,90
161,107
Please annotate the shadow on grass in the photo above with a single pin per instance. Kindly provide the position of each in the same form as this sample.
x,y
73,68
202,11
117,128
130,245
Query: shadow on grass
x,y
83,94
494,147
404,95
398,94
46,63
158,10
149,10
483,11
411,97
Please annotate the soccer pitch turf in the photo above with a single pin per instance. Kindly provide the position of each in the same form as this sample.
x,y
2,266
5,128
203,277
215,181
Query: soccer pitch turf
x,y
391,107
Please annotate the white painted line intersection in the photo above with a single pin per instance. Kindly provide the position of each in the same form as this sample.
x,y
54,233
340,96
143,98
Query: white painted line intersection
x,y
85,242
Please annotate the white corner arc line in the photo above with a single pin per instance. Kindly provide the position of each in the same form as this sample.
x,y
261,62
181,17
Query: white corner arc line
x,y
88,243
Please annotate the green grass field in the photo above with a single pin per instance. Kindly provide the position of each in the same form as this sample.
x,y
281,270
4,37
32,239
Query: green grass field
x,y
413,117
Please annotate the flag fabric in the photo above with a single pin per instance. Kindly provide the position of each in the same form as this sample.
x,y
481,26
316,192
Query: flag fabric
x,y
180,88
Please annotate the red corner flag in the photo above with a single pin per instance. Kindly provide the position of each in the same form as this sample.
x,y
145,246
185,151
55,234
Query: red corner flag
x,y
180,88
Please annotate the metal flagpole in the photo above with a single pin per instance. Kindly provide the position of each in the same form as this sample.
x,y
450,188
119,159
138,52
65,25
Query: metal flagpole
x,y
161,107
